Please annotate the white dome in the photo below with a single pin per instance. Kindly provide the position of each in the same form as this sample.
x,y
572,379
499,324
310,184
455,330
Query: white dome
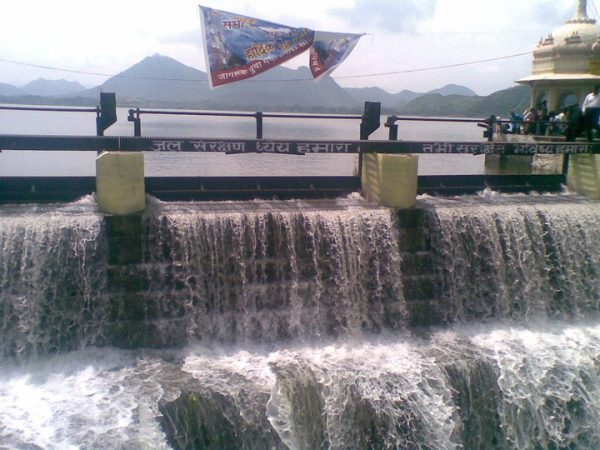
x,y
569,52
588,31
566,63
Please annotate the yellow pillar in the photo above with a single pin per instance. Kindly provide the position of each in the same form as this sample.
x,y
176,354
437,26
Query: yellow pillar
x,y
120,185
390,180
583,176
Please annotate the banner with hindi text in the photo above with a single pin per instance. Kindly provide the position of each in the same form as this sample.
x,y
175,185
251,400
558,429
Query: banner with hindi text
x,y
329,50
238,47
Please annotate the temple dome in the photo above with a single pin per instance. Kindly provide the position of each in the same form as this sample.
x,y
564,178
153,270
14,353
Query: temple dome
x,y
569,52
566,63
587,31
578,30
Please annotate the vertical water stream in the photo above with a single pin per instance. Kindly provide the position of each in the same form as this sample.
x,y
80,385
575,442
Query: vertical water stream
x,y
285,325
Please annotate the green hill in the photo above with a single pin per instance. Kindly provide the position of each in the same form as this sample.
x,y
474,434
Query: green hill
x,y
439,105
499,103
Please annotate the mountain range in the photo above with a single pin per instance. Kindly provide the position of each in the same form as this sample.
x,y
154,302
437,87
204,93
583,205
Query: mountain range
x,y
161,81
42,87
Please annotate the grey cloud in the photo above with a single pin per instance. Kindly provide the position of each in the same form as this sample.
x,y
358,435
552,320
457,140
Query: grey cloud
x,y
386,15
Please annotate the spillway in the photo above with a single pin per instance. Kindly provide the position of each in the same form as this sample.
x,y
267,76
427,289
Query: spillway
x,y
467,322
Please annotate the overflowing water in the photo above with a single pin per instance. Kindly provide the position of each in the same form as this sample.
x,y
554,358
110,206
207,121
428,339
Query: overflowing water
x,y
524,257
292,325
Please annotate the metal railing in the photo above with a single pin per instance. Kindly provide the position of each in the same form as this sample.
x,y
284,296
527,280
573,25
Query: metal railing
x,y
369,120
106,113
135,117
66,109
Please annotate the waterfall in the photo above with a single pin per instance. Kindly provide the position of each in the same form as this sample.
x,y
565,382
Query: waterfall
x,y
254,274
278,275
518,260
466,323
49,279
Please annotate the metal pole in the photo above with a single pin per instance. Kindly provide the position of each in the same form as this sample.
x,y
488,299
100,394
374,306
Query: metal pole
x,y
391,124
99,130
137,124
490,130
259,125
134,116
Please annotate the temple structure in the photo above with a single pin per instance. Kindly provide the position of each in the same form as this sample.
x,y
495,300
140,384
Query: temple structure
x,y
566,63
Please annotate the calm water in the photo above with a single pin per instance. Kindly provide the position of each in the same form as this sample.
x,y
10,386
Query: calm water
x,y
37,163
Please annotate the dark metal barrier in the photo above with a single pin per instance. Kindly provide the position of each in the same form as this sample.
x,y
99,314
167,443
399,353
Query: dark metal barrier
x,y
65,189
286,146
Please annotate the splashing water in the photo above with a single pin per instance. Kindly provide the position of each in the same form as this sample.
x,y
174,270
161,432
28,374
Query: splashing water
x,y
518,260
300,315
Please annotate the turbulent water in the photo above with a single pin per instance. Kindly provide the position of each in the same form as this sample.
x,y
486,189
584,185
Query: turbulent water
x,y
524,257
286,325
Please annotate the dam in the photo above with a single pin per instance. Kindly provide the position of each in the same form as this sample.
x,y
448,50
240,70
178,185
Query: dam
x,y
306,316
294,312
465,322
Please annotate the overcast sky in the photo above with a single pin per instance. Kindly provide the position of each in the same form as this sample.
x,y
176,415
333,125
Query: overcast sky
x,y
109,36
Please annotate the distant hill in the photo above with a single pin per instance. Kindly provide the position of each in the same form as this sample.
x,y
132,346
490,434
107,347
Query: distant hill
x,y
157,81
502,102
9,89
55,88
394,102
388,101
499,103
440,105
161,81
454,89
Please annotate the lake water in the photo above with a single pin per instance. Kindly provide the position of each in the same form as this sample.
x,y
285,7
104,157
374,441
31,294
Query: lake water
x,y
39,163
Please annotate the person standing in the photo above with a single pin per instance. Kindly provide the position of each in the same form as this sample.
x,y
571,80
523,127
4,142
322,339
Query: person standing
x,y
543,117
591,111
530,120
515,123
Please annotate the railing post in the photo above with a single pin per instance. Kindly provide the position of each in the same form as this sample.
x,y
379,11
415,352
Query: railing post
x,y
490,129
368,124
489,125
106,113
391,124
99,130
370,119
134,116
259,125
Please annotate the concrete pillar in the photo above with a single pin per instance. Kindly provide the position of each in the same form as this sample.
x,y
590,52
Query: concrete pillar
x,y
390,180
120,186
552,100
583,176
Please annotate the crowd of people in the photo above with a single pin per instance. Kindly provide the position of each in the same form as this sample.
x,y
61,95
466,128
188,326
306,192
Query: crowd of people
x,y
570,122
